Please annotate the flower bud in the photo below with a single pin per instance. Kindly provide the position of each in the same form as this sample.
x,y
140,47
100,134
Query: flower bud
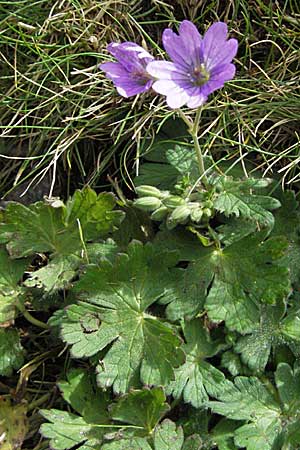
x,y
196,214
159,213
173,201
180,214
207,212
148,191
147,203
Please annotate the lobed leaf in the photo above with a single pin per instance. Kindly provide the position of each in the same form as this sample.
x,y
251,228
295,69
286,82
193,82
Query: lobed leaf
x,y
197,378
60,229
236,197
233,280
142,347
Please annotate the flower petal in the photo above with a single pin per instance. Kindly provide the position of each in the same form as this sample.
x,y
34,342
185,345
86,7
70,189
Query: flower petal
x,y
129,90
218,78
223,72
130,55
113,70
176,96
215,49
127,84
192,39
196,101
165,70
184,49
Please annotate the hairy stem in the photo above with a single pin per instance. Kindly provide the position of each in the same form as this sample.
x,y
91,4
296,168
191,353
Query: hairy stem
x,y
193,130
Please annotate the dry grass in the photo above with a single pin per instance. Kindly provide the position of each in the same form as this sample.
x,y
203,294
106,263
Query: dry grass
x,y
60,117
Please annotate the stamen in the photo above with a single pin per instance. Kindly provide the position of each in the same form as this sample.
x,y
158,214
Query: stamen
x,y
200,75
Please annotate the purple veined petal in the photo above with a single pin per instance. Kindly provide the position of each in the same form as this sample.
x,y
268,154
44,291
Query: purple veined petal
x,y
224,55
129,90
129,74
116,72
165,70
175,48
218,78
192,38
225,72
130,55
183,49
176,96
215,49
113,70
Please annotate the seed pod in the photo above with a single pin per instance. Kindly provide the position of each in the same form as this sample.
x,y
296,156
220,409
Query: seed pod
x,y
147,203
159,213
180,214
148,191
196,214
173,201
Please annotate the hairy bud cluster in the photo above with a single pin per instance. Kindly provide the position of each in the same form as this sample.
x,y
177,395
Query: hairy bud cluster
x,y
176,210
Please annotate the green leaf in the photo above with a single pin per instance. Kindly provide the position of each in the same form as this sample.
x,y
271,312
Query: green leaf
x,y
142,408
246,399
56,275
123,292
88,428
288,385
197,378
259,436
235,229
67,430
11,351
136,225
275,328
162,176
236,197
272,417
11,272
246,273
166,437
255,348
187,288
234,280
183,159
84,397
157,171
287,223
232,362
56,228
290,325
223,434
249,399
133,443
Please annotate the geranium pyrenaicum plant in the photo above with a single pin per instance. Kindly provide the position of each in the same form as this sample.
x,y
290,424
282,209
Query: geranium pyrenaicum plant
x,y
199,65
129,74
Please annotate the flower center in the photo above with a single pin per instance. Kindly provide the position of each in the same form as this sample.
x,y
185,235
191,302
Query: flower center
x,y
200,75
141,76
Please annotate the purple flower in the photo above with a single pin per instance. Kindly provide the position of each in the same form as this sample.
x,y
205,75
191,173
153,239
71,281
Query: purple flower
x,y
129,74
199,67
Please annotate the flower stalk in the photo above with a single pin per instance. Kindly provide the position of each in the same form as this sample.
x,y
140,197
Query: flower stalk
x,y
193,131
